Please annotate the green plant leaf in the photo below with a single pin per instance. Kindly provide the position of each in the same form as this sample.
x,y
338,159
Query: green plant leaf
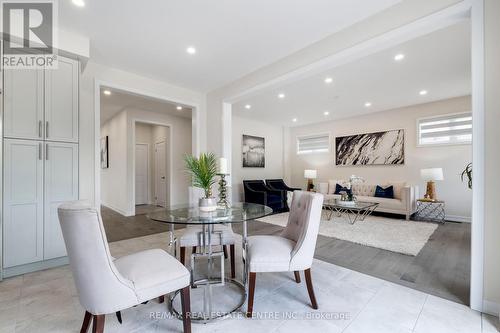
x,y
203,171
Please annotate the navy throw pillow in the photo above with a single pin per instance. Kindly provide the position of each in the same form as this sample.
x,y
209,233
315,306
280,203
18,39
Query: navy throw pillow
x,y
387,192
340,188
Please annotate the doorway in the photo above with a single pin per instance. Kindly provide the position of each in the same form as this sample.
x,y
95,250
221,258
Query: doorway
x,y
161,174
141,174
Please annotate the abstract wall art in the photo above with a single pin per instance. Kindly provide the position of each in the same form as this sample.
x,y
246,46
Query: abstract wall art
x,y
254,151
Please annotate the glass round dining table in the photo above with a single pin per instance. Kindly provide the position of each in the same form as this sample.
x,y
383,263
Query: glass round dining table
x,y
222,305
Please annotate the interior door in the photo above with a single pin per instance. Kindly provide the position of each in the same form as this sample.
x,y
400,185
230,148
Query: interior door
x,y
61,101
161,173
61,184
141,174
23,202
23,103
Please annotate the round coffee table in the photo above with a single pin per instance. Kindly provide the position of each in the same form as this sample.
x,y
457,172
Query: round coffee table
x,y
240,212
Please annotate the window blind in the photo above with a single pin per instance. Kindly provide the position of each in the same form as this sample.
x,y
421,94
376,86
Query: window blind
x,y
446,129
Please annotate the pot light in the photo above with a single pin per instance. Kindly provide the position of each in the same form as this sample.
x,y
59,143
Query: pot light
x,y
281,96
368,104
248,106
326,113
191,50
399,57
179,107
423,92
294,120
328,80
79,3
106,92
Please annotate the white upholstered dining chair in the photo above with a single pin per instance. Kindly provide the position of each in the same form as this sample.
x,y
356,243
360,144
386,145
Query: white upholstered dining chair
x,y
106,285
191,235
292,250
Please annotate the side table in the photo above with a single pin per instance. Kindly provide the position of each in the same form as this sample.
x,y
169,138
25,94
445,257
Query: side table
x,y
431,211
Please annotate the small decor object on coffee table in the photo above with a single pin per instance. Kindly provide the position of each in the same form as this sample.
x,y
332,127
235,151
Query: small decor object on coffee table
x,y
430,211
203,171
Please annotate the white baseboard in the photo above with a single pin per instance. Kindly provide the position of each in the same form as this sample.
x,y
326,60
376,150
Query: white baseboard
x,y
491,308
118,210
457,218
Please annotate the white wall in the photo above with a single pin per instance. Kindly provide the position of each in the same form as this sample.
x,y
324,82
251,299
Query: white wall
x,y
113,186
274,153
451,158
117,182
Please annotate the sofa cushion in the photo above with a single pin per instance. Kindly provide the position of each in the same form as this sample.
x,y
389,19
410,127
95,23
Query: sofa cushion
x,y
323,188
398,188
366,190
339,188
384,203
387,192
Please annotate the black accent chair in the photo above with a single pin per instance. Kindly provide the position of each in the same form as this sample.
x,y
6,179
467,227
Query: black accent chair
x,y
280,185
256,191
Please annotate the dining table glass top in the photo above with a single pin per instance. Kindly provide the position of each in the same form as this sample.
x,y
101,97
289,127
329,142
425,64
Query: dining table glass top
x,y
237,212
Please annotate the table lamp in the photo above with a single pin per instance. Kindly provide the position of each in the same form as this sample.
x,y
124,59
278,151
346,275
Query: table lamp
x,y
310,175
431,175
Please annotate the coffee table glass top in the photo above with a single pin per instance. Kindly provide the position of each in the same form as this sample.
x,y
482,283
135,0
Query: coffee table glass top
x,y
184,214
358,205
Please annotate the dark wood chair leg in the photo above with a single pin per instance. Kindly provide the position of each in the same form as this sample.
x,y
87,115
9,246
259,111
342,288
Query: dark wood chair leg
x,y
193,250
297,276
119,316
251,293
86,322
183,255
225,251
233,258
310,289
98,326
161,299
186,309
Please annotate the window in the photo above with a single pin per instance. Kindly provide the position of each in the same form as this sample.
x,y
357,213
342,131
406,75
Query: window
x,y
313,144
447,129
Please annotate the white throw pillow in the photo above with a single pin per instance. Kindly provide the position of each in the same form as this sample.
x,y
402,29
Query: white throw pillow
x,y
323,188
398,188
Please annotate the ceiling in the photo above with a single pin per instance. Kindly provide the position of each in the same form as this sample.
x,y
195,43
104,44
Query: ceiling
x,y
119,100
232,37
439,62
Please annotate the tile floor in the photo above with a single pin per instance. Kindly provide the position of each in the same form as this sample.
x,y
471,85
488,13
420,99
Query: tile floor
x,y
349,301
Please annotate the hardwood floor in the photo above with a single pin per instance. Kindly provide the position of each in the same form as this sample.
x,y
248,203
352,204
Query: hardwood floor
x,y
442,268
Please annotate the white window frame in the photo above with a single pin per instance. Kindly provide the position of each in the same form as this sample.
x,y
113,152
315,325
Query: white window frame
x,y
417,126
308,136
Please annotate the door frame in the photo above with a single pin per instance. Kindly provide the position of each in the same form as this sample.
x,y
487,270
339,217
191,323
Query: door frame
x,y
167,164
148,199
474,9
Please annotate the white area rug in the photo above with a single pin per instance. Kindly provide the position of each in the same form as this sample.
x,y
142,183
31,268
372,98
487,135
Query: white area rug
x,y
407,237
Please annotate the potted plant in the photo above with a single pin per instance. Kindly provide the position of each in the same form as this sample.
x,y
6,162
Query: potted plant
x,y
203,171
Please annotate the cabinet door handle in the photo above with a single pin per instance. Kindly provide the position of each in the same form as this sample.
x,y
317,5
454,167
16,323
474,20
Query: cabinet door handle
x,y
39,128
47,151
46,129
39,151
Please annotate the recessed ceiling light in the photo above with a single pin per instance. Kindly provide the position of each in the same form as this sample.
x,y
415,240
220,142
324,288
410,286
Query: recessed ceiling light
x,y
106,92
328,80
281,96
248,106
191,50
294,120
423,92
368,104
179,107
399,57
326,113
79,3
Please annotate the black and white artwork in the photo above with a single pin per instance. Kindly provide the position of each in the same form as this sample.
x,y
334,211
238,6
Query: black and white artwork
x,y
380,148
254,151
104,153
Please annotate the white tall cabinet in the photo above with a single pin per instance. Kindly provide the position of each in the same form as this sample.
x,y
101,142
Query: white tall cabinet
x,y
40,162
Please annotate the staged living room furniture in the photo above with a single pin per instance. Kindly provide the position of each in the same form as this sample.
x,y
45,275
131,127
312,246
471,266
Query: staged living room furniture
x,y
258,192
280,185
213,290
292,250
430,211
355,211
403,203
107,285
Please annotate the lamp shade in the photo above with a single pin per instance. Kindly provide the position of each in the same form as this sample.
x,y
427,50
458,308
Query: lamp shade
x,y
310,174
431,174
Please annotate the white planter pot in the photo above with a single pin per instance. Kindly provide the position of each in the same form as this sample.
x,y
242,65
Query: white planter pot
x,y
207,204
